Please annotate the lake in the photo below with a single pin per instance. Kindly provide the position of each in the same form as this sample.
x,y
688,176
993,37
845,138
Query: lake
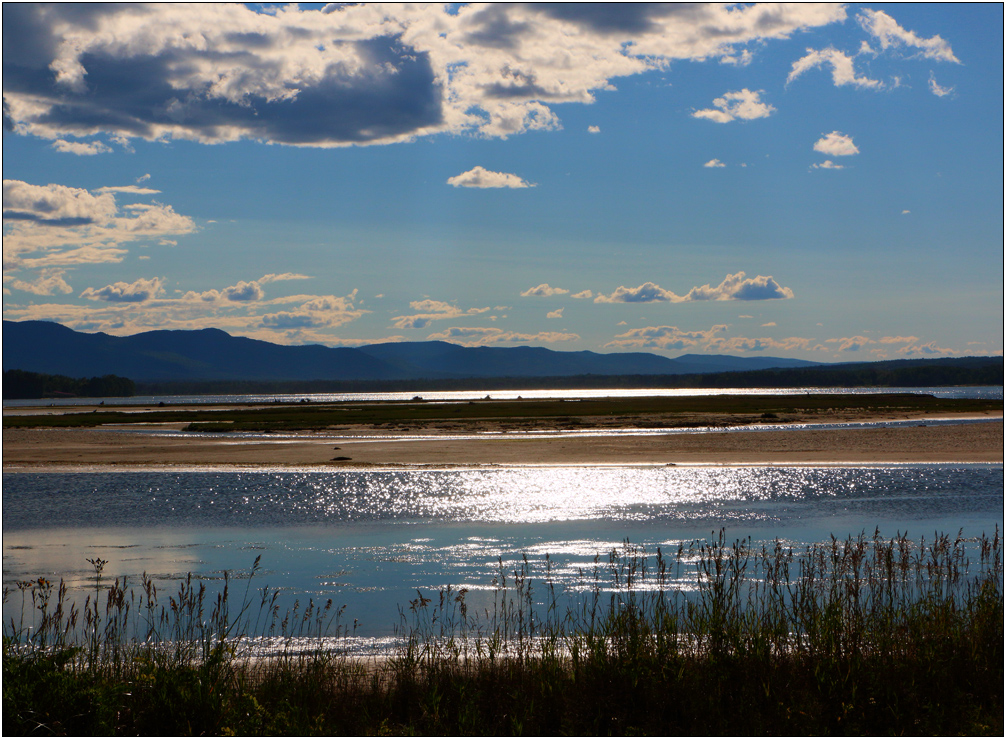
x,y
370,539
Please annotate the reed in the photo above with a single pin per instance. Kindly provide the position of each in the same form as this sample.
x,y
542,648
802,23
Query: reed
x,y
863,635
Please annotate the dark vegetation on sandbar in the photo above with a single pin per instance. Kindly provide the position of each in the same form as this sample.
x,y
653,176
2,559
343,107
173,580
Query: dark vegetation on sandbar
x,y
863,636
658,412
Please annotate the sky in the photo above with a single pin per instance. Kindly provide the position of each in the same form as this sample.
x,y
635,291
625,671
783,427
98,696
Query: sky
x,y
822,182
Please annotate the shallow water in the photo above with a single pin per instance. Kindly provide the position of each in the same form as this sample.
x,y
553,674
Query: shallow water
x,y
369,540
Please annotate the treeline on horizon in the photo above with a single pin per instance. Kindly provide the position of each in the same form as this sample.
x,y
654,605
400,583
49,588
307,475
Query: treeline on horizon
x,y
22,385
896,373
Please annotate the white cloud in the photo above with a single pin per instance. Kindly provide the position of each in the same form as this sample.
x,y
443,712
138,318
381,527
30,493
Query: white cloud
x,y
477,336
842,70
827,164
543,290
667,338
733,287
129,189
714,163
127,308
139,291
738,60
851,343
672,338
721,344
836,144
938,90
48,282
743,104
54,204
582,295
905,212
351,74
740,287
593,129
432,310
483,178
648,292
80,148
287,276
899,339
58,226
890,35
557,313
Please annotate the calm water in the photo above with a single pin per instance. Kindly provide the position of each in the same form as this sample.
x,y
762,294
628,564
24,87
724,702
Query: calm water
x,y
992,392
370,539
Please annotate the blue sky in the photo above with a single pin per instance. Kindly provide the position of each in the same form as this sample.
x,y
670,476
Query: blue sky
x,y
813,181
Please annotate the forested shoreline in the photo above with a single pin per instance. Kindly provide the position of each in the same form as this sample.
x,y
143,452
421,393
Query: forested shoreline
x,y
21,385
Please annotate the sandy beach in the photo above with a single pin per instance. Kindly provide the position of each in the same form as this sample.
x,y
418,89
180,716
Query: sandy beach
x,y
40,449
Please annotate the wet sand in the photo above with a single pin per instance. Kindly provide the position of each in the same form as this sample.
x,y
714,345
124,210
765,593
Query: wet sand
x,y
38,449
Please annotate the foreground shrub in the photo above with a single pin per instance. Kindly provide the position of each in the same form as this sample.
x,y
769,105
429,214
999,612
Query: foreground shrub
x,y
861,636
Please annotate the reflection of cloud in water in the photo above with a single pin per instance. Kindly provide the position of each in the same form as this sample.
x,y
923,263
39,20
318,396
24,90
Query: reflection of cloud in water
x,y
63,553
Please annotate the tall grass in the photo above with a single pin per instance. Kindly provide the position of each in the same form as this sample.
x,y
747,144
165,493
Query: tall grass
x,y
865,635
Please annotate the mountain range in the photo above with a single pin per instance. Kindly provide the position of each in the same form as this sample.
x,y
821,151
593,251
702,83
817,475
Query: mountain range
x,y
212,354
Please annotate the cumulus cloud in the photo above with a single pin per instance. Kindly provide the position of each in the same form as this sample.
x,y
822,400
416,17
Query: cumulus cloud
x,y
593,129
432,310
483,178
139,291
927,349
733,287
714,163
664,337
582,295
543,290
842,70
557,313
827,164
477,336
740,104
891,35
54,204
672,338
648,292
58,226
851,343
836,144
350,74
127,308
746,344
48,282
80,148
739,60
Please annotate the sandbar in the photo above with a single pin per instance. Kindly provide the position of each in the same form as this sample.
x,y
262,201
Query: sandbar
x,y
54,449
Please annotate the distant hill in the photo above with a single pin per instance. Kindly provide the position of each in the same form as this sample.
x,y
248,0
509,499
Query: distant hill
x,y
214,355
